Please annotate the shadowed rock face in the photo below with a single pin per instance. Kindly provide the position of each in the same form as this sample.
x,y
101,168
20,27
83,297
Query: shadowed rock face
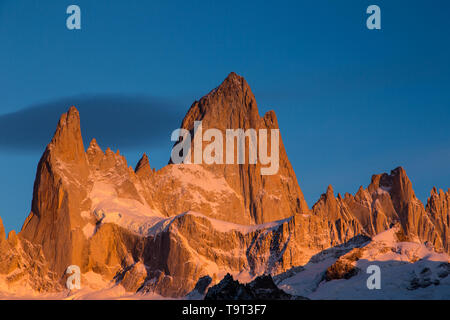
x,y
262,288
343,268
163,230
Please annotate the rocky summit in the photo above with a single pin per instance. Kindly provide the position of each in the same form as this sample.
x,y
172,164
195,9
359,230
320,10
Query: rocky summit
x,y
151,232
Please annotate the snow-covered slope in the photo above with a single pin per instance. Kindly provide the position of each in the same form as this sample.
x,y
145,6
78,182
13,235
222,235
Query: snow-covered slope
x,y
408,271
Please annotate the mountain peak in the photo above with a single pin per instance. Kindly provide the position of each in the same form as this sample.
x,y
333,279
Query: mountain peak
x,y
399,181
94,147
234,82
233,75
233,93
94,152
143,166
234,78
232,105
434,191
270,119
398,171
360,191
330,190
67,142
94,144
2,231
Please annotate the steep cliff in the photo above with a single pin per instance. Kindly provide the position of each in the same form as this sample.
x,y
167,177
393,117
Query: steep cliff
x,y
160,231
262,198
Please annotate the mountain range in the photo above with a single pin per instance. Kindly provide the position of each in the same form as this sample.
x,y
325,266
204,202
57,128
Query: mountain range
x,y
146,233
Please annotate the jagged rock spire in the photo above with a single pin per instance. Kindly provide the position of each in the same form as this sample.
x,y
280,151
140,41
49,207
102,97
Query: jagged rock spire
x,y
330,191
2,230
143,166
94,145
63,212
94,153
62,170
232,105
438,207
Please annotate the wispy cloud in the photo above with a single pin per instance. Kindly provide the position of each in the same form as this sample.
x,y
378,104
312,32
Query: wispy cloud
x,y
115,120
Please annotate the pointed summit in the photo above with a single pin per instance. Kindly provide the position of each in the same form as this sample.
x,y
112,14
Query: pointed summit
x,y
330,191
143,167
94,145
232,105
62,170
434,191
327,197
399,186
235,90
67,142
94,153
233,76
2,231
360,193
270,119
234,82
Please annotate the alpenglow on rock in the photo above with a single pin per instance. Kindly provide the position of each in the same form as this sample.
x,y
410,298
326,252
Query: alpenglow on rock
x,y
261,198
160,231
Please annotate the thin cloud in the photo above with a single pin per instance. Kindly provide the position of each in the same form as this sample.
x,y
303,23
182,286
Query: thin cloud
x,y
114,120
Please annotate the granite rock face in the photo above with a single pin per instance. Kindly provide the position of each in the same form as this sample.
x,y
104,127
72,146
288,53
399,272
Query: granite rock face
x,y
59,190
438,208
390,198
161,231
261,198
23,266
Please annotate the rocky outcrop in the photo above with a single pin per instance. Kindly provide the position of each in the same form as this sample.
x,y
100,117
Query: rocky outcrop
x,y
342,223
262,288
64,220
344,267
143,168
134,277
2,231
415,221
200,289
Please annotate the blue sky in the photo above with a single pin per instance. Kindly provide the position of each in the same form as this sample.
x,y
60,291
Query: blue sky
x,y
350,102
